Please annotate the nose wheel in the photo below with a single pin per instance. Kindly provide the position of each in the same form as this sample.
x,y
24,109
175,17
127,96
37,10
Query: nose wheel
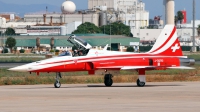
x,y
140,83
57,83
108,80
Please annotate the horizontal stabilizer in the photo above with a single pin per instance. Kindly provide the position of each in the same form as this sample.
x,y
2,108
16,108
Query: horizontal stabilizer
x,y
181,67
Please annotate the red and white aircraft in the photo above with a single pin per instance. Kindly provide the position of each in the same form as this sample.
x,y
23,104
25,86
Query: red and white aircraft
x,y
165,54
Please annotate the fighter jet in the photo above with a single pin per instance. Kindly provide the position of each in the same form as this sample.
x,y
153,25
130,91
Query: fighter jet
x,y
165,54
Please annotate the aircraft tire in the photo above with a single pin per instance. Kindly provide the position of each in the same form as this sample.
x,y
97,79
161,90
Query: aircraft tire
x,y
57,84
140,84
108,80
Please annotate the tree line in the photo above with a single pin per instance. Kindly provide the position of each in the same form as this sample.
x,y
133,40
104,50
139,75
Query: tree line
x,y
116,28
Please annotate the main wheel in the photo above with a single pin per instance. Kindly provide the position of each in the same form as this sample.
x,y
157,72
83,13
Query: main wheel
x,y
57,84
108,80
140,84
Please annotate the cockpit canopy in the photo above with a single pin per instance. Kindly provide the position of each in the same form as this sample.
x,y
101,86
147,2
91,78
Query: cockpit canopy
x,y
79,42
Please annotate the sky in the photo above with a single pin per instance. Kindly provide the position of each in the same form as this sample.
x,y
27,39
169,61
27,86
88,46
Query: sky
x,y
155,7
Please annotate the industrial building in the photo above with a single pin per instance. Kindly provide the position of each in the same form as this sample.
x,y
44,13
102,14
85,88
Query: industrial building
x,y
10,17
51,23
130,12
99,12
184,30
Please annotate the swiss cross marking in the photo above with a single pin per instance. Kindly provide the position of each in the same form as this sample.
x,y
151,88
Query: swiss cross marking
x,y
174,48
96,53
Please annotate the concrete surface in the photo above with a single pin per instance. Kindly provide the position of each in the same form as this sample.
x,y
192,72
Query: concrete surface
x,y
10,65
155,97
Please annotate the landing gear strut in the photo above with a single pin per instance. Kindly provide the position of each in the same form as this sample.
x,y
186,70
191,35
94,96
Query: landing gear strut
x,y
57,84
108,80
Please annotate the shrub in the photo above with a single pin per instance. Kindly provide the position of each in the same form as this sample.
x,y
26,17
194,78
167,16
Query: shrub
x,y
5,50
51,50
57,50
130,49
15,48
21,50
10,42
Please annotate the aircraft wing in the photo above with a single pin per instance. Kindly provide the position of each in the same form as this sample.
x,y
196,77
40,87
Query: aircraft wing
x,y
126,67
141,67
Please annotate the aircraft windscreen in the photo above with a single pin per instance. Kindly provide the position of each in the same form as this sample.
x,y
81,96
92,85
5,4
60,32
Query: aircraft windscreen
x,y
81,40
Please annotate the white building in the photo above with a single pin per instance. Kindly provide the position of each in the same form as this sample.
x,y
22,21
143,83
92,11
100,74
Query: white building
x,y
118,5
190,25
72,26
152,34
130,12
61,18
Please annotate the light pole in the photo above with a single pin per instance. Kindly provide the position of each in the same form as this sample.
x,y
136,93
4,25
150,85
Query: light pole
x,y
1,36
83,12
3,41
104,28
110,37
110,31
140,16
135,15
194,47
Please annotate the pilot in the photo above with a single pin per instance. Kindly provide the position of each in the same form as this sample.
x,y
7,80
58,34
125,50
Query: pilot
x,y
75,52
65,53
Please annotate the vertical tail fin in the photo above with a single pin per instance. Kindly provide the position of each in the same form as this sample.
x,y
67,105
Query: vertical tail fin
x,y
167,42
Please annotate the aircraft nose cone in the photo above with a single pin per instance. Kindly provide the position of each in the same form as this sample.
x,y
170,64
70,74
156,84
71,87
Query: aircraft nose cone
x,y
19,69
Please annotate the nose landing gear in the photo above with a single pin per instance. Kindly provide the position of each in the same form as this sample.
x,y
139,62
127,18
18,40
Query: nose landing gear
x,y
140,83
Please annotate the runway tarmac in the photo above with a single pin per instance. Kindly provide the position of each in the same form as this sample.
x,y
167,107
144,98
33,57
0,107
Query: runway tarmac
x,y
155,97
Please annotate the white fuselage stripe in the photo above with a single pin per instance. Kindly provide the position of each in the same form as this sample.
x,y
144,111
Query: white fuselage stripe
x,y
71,61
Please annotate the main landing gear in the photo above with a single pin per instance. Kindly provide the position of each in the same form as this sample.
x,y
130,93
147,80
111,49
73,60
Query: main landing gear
x,y
142,78
57,84
108,80
140,82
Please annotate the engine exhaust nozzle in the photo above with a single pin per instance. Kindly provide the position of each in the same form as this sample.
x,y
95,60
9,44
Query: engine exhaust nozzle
x,y
187,62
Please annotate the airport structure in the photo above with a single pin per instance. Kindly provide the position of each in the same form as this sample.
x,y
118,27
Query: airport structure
x,y
130,12
99,12
98,41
